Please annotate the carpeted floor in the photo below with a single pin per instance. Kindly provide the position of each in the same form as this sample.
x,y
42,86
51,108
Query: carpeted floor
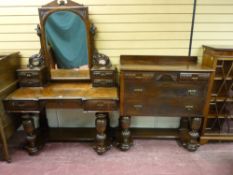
x,y
147,157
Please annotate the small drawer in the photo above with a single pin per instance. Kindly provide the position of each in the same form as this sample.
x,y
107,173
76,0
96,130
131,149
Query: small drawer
x,y
28,82
194,76
103,74
103,83
100,105
21,105
28,74
139,75
68,104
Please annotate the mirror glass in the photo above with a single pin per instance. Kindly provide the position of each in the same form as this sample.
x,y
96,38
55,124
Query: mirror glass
x,y
66,40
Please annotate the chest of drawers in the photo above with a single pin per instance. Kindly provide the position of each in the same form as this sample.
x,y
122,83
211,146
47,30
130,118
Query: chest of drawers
x,y
163,86
36,77
103,76
164,93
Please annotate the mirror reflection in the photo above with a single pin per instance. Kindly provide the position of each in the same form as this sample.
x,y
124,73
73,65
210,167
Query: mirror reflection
x,y
66,39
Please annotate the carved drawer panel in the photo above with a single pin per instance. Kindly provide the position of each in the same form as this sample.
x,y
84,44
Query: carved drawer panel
x,y
64,103
21,105
100,105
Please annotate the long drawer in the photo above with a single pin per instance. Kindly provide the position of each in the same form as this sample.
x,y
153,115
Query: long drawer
x,y
21,105
164,107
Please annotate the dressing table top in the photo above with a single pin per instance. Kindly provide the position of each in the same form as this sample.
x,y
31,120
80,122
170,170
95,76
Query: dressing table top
x,y
83,91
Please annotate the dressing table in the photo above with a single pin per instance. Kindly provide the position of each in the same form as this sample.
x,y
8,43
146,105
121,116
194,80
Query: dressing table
x,y
62,78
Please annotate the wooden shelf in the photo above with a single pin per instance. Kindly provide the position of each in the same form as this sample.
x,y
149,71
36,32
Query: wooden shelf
x,y
221,99
219,116
222,78
221,59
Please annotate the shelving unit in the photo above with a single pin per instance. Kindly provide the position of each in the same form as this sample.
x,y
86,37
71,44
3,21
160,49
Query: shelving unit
x,y
218,122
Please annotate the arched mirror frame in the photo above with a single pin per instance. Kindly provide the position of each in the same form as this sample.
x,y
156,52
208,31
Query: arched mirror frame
x,y
82,12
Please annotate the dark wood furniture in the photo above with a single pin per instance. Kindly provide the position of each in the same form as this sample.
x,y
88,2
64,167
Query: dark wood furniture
x,y
8,83
35,100
218,124
164,86
104,76
35,77
50,87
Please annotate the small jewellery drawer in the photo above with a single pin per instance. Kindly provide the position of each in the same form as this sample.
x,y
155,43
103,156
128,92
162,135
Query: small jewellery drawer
x,y
29,82
103,74
100,105
67,103
103,83
21,105
139,75
194,76
28,74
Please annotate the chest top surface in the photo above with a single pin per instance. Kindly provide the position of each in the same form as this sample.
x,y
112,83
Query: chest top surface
x,y
162,63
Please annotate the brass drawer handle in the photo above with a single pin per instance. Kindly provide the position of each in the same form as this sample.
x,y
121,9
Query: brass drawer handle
x,y
189,107
192,92
28,75
138,106
194,77
138,90
100,105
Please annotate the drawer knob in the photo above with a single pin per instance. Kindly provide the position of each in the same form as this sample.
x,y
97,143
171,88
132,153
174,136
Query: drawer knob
x,y
189,107
192,92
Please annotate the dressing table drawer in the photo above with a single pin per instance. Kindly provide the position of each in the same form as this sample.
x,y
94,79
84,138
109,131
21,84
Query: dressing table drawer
x,y
100,105
67,104
21,105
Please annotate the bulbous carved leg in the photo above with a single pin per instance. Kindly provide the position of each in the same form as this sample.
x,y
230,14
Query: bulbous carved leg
x,y
184,131
189,132
31,137
125,141
194,134
101,145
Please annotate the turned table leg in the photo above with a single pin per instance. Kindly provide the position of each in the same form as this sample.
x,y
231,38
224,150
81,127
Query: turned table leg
x,y
101,122
31,136
189,132
125,141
